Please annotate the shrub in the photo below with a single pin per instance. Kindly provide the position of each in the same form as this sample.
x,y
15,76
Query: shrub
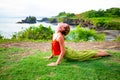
x,y
84,34
35,33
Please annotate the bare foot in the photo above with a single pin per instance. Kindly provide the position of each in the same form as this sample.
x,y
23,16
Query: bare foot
x,y
102,53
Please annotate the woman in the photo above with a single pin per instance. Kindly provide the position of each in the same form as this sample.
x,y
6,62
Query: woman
x,y
58,47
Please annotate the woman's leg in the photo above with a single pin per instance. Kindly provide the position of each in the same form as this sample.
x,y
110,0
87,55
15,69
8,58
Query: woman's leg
x,y
102,53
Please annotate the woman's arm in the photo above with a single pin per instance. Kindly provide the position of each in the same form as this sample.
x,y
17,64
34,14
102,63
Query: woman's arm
x,y
62,47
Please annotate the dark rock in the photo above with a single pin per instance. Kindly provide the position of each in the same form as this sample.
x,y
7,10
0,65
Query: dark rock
x,y
30,20
43,20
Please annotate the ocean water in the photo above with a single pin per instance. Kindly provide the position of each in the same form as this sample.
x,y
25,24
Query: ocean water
x,y
8,26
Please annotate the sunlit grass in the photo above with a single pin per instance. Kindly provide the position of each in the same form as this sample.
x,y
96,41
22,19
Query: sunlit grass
x,y
14,66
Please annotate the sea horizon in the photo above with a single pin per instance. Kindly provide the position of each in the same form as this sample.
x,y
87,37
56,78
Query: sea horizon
x,y
9,25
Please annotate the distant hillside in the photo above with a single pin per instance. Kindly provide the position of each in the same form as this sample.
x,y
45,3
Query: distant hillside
x,y
99,20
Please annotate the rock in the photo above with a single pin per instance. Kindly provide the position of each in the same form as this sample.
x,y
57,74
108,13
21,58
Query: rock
x,y
43,20
30,20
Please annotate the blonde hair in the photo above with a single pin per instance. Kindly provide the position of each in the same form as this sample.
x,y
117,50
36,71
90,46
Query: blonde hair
x,y
66,28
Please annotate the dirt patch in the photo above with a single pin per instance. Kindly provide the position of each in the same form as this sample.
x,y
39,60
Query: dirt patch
x,y
46,46
95,45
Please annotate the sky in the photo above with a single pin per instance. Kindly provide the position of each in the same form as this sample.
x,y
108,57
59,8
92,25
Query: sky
x,y
48,8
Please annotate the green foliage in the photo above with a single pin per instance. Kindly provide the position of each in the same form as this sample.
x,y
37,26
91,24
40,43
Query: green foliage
x,y
106,23
52,20
84,34
112,12
113,25
60,19
88,14
103,19
64,14
35,33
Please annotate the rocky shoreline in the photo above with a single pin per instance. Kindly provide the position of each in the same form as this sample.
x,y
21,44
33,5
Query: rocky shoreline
x,y
69,21
110,34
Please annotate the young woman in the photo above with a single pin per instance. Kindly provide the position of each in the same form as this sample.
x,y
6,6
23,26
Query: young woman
x,y
58,47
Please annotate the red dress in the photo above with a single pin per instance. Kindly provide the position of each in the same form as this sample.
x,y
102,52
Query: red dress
x,y
55,48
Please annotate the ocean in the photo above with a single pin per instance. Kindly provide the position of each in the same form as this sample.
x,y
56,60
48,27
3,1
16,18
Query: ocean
x,y
8,26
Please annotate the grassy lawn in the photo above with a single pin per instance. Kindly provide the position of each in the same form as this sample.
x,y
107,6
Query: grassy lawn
x,y
15,66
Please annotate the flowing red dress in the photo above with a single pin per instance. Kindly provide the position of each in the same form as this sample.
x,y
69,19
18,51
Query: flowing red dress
x,y
55,48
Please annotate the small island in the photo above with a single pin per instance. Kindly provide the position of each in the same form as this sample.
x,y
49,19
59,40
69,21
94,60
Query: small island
x,y
30,20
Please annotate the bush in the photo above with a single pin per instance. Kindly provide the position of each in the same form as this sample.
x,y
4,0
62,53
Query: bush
x,y
35,33
84,34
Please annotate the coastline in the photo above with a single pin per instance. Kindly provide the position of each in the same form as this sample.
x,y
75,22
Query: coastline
x,y
8,25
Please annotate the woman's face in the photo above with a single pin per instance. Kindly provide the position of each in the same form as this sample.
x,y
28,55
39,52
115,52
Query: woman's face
x,y
61,27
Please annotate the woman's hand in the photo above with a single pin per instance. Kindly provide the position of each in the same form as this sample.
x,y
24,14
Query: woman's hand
x,y
52,64
48,57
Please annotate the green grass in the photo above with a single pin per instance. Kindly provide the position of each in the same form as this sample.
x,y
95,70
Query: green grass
x,y
14,66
